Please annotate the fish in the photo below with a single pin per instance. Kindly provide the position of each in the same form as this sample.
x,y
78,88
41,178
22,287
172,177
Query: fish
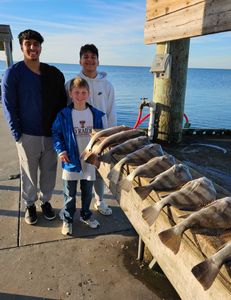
x,y
103,133
172,178
216,215
192,196
113,139
135,158
123,149
153,167
206,271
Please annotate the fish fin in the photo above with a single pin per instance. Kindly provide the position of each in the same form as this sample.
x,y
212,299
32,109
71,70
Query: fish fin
x,y
126,185
206,272
100,139
171,238
84,153
151,213
107,158
114,174
184,216
92,159
143,191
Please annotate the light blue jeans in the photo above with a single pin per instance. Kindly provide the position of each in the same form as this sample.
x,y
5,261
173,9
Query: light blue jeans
x,y
69,191
99,188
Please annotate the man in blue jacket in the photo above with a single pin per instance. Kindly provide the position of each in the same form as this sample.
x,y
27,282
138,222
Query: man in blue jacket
x,y
32,95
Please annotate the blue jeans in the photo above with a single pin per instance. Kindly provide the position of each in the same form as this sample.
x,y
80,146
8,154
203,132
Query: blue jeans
x,y
69,190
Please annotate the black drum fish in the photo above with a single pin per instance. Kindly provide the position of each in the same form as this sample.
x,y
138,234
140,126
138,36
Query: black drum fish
x,y
216,215
113,139
150,169
170,179
135,158
192,196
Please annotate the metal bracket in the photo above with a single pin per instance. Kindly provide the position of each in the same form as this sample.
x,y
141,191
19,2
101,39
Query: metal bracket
x,y
161,65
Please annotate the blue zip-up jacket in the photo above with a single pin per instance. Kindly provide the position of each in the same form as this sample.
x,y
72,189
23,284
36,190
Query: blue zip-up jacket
x,y
64,136
31,101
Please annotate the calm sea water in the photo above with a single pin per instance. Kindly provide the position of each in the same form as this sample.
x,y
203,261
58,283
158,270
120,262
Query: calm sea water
x,y
208,93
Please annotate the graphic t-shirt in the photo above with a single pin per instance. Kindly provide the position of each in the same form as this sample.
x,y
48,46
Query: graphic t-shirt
x,y
83,125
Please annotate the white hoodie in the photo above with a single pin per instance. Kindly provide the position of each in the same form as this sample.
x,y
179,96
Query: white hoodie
x,y
102,96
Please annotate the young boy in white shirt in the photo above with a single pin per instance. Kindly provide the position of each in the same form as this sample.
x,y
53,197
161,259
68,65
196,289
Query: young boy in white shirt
x,y
71,134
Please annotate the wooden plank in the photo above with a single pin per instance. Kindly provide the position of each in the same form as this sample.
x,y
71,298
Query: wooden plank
x,y
155,8
202,18
5,33
194,247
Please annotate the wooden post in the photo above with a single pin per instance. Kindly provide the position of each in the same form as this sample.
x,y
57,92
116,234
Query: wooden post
x,y
9,57
169,93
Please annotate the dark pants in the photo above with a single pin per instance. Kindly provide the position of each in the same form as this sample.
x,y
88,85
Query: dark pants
x,y
70,190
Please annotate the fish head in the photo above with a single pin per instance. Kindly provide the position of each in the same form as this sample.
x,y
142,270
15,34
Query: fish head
x,y
182,172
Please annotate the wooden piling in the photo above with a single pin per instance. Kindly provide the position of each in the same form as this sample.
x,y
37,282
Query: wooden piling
x,y
8,52
6,43
169,93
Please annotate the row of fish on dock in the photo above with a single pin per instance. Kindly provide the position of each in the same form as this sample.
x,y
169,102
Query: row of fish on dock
x,y
198,196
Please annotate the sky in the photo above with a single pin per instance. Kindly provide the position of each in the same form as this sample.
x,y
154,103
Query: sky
x,y
116,27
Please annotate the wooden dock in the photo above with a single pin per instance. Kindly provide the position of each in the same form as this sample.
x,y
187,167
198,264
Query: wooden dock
x,y
194,247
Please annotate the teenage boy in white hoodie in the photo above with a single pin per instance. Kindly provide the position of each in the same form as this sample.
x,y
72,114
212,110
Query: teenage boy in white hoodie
x,y
102,97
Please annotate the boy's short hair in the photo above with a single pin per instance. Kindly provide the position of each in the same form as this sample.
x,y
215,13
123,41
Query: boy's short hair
x,y
88,48
79,83
30,34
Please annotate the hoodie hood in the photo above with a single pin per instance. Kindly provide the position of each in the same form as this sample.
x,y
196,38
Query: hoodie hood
x,y
99,76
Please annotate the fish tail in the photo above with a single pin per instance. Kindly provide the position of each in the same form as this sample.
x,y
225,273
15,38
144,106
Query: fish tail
x,y
143,191
114,174
126,185
206,272
171,238
151,213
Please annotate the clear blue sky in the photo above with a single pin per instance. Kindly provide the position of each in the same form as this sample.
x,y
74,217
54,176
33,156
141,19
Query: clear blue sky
x,y
116,27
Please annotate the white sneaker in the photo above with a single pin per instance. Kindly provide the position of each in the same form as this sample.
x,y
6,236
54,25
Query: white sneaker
x,y
103,209
67,228
91,222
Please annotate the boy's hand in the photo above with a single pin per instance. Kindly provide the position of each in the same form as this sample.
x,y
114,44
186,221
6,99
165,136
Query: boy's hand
x,y
63,157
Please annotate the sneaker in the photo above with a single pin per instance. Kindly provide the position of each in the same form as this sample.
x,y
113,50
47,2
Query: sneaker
x,y
103,209
31,215
48,211
67,228
91,222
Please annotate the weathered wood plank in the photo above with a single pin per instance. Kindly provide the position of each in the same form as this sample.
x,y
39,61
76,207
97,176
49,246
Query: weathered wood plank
x,y
194,247
155,8
200,19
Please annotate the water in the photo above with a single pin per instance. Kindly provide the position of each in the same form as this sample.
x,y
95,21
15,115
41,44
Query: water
x,y
208,93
